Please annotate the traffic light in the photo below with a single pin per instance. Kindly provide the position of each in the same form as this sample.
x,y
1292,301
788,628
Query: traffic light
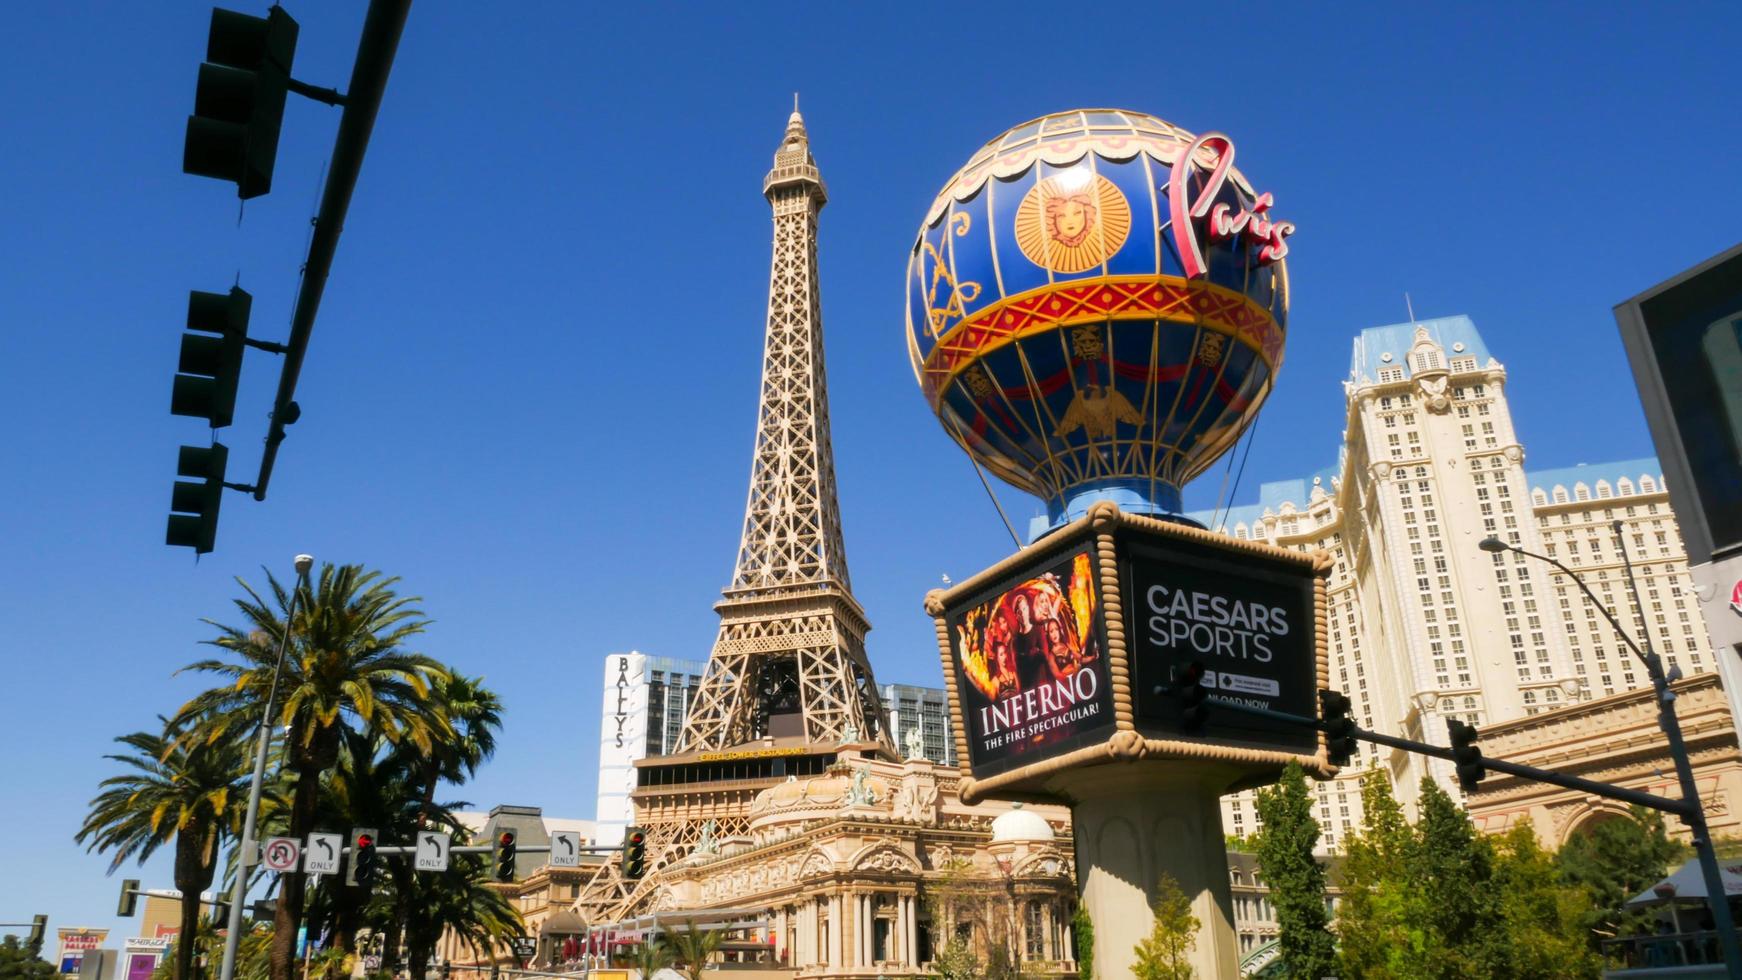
x,y
239,101
1465,754
363,859
38,929
505,856
1188,683
194,521
634,854
1338,727
129,898
211,366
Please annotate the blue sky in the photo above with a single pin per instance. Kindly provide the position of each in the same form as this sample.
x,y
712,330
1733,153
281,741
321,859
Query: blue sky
x,y
531,389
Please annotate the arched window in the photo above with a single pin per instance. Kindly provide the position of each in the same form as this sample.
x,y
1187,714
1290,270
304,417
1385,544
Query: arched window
x,y
1581,492
1469,704
1560,494
1625,487
1647,484
1538,497
1602,489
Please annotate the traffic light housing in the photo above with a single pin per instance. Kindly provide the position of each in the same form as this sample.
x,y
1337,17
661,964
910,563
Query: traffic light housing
x,y
1339,728
38,930
364,860
193,522
1465,755
505,855
634,853
210,367
129,898
239,101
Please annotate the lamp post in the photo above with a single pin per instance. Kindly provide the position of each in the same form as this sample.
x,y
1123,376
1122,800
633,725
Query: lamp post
x,y
1695,814
244,848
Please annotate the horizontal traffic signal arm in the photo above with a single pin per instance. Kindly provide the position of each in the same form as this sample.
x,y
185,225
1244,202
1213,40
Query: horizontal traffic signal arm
x,y
486,848
1675,807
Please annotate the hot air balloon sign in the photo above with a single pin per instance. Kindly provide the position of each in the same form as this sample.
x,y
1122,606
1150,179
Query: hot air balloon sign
x,y
1096,307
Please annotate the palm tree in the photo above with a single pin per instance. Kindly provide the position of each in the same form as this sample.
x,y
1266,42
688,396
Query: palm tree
x,y
651,957
457,901
474,713
694,946
180,789
345,670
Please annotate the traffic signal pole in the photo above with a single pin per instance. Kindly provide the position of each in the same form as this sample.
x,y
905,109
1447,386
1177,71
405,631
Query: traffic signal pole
x,y
376,48
1692,813
245,846
1677,807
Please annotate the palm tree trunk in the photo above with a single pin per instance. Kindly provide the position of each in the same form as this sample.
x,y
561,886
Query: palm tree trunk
x,y
192,876
290,892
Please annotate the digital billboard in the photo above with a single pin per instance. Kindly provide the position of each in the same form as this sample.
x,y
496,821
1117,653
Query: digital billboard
x,y
1248,619
1029,653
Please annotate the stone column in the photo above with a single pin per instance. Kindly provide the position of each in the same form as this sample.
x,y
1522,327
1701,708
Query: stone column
x,y
865,903
1134,822
837,919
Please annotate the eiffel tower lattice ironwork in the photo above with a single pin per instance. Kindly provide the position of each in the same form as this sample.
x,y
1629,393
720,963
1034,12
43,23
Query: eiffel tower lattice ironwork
x,y
791,648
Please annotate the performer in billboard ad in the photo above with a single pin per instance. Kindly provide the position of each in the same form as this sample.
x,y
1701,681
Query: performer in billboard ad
x,y
1032,672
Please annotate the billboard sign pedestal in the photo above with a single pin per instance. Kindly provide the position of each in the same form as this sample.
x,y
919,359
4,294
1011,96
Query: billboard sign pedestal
x,y
1062,664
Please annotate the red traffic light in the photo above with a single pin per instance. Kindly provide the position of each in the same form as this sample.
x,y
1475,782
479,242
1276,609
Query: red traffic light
x,y
637,837
364,840
506,838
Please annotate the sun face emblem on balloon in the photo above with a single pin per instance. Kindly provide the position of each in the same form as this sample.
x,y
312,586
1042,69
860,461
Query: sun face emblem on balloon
x,y
1071,222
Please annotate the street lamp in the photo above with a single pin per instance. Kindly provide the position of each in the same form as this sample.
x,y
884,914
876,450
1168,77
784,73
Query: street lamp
x,y
244,849
1695,814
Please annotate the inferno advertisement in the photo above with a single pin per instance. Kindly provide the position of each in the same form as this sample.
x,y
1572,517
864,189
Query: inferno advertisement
x,y
1030,659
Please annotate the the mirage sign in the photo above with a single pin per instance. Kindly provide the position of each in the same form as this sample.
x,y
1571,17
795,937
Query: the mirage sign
x,y
1246,618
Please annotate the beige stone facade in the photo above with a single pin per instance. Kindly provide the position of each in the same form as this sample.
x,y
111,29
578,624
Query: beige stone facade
x,y
1424,626
1616,740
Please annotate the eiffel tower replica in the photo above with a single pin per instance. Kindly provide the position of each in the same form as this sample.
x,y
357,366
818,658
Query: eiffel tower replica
x,y
788,690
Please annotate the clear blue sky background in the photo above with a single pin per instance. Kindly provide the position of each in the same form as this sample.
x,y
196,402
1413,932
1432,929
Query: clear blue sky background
x,y
531,388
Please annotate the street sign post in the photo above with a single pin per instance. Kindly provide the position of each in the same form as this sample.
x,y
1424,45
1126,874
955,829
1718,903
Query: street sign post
x,y
281,854
322,854
565,849
432,851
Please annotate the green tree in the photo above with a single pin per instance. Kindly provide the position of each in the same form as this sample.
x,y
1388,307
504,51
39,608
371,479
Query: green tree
x,y
1296,879
1454,874
1615,860
694,947
1381,927
1163,955
651,957
957,960
1083,932
19,963
457,901
346,669
174,789
1538,920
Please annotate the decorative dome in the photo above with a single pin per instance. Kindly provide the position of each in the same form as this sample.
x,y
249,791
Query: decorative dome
x,y
1021,826
1096,307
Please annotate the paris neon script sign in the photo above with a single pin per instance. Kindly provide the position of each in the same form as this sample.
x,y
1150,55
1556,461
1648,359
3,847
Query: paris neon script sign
x,y
1200,217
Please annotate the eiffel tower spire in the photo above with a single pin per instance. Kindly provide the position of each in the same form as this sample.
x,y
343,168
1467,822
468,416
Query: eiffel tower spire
x,y
790,658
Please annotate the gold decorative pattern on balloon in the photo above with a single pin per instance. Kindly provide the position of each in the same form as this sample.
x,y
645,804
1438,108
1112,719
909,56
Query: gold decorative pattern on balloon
x,y
1086,342
1210,351
1071,222
955,304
